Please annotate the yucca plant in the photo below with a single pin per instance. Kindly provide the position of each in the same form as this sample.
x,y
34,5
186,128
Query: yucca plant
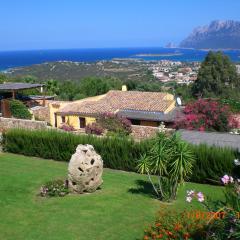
x,y
170,160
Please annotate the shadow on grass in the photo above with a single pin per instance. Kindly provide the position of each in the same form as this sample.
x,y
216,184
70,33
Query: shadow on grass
x,y
144,188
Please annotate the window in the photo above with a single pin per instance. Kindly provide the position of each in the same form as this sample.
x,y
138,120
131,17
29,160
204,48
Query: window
x,y
135,122
63,119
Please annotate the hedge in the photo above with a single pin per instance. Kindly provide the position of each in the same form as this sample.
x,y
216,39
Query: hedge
x,y
212,163
117,153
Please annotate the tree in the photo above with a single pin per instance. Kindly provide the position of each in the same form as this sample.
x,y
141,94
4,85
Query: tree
x,y
93,86
217,77
3,78
144,86
52,87
69,90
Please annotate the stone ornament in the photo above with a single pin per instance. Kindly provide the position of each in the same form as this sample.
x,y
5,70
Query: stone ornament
x,y
85,170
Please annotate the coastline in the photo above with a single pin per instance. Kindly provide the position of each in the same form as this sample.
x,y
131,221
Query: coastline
x,y
14,59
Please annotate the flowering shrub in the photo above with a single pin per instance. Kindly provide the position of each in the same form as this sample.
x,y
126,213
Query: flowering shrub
x,y
175,225
232,192
234,121
56,188
67,128
114,123
94,128
225,222
206,114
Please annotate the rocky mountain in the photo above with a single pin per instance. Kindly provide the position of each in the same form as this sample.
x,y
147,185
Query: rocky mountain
x,y
216,35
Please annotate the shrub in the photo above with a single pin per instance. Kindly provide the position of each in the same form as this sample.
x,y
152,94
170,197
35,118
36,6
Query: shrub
x,y
175,225
212,163
67,128
55,188
117,153
205,114
19,110
94,128
114,123
233,104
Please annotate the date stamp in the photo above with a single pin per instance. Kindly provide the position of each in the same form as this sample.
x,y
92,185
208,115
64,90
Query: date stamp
x,y
205,215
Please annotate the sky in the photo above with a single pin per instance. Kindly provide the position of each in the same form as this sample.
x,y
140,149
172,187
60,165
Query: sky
x,y
65,24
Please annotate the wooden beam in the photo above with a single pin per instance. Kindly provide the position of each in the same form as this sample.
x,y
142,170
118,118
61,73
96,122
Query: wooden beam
x,y
13,94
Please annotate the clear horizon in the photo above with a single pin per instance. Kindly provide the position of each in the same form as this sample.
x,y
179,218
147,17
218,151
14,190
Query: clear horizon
x,y
92,24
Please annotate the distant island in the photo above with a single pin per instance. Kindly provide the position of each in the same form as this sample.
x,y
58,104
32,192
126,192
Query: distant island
x,y
158,54
216,35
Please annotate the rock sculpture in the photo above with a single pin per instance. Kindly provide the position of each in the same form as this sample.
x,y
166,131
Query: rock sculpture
x,y
85,170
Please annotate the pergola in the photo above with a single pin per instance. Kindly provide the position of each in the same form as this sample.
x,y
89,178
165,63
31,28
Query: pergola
x,y
15,87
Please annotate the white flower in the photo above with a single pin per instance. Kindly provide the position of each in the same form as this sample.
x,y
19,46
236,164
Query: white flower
x,y
190,193
188,199
237,162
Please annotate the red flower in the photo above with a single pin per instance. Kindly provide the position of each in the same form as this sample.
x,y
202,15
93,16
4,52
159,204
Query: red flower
x,y
186,236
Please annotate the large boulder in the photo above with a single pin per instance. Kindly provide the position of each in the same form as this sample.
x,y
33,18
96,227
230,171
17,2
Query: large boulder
x,y
85,170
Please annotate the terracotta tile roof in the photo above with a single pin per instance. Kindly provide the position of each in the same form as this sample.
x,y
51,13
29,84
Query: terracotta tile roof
x,y
120,100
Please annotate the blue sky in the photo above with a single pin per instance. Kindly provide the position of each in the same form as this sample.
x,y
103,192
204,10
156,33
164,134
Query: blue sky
x,y
55,24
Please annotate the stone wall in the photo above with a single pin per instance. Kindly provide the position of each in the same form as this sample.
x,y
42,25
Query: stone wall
x,y
143,132
8,123
41,113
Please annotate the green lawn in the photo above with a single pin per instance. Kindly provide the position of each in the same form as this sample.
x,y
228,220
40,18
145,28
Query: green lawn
x,y
120,210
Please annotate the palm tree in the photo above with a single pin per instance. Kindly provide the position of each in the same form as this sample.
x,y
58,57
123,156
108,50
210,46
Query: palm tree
x,y
171,161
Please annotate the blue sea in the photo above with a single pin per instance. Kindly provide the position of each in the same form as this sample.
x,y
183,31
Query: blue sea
x,y
10,59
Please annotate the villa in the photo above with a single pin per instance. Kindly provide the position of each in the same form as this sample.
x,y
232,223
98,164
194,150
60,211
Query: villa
x,y
141,108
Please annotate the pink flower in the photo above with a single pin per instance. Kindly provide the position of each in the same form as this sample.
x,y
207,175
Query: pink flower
x,y
200,197
191,194
227,179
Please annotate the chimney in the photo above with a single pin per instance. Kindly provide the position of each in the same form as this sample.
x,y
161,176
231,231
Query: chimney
x,y
124,88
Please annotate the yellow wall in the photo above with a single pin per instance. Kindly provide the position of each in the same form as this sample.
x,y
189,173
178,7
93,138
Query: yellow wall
x,y
169,97
74,121
53,108
171,107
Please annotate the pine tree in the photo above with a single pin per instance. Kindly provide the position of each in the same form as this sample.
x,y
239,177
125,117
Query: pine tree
x,y
217,77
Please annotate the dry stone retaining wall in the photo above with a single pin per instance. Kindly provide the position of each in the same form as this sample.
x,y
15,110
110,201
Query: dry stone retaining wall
x,y
8,123
142,132
41,113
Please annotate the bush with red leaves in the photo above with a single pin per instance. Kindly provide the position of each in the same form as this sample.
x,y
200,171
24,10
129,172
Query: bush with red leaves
x,y
206,115
94,128
67,128
114,123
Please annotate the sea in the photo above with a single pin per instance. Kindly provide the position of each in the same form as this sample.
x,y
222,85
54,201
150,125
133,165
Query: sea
x,y
12,59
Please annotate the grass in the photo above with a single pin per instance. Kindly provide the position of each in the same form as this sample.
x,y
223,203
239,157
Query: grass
x,y
120,210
